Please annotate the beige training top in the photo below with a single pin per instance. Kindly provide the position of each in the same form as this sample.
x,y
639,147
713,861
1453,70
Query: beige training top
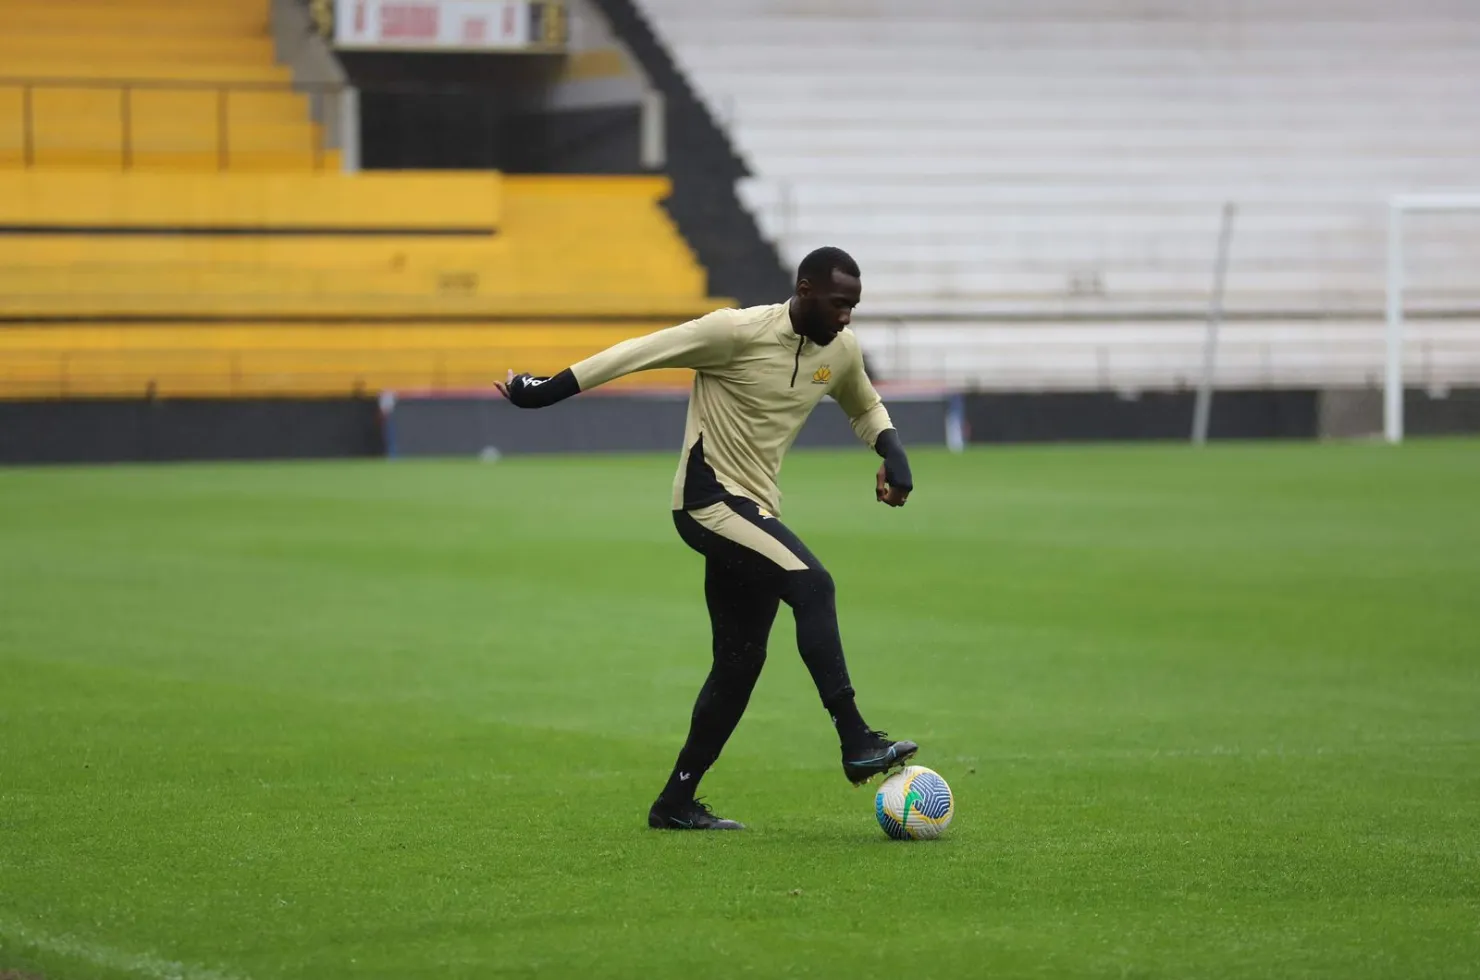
x,y
756,383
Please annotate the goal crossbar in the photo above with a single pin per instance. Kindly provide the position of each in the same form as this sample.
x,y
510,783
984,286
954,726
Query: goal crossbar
x,y
1398,206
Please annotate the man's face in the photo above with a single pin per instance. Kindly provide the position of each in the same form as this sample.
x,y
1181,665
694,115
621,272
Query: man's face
x,y
826,308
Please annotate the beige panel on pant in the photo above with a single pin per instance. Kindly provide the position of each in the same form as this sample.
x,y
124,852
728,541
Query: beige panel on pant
x,y
723,521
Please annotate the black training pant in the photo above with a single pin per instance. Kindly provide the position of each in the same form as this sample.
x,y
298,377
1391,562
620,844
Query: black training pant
x,y
753,563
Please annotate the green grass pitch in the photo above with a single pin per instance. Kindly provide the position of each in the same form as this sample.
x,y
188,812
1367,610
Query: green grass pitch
x,y
1206,714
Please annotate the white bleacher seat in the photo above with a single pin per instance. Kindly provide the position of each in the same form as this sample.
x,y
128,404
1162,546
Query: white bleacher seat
x,y
1073,156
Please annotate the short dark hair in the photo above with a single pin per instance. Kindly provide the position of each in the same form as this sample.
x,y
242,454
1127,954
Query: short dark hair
x,y
819,264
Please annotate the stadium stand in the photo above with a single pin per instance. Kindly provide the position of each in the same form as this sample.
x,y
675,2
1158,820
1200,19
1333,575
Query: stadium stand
x,y
1079,146
152,84
170,223
705,170
326,283
1062,159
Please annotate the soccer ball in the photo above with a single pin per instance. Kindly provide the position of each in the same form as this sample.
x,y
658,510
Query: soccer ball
x,y
915,804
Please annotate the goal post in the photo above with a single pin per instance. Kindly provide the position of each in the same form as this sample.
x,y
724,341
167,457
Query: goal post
x,y
1399,206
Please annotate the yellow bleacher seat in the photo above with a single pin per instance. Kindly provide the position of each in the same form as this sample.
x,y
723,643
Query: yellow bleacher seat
x,y
202,242
412,199
166,160
54,106
296,359
102,46
149,84
139,254
203,18
326,283
197,244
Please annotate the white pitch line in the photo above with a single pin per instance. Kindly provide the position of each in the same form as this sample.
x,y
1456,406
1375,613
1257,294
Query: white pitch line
x,y
16,935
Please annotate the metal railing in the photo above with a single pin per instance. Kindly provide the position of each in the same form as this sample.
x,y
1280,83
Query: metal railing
x,y
1434,365
329,105
406,118
1126,357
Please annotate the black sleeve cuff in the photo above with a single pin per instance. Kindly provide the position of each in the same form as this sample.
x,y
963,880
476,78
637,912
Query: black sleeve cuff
x,y
896,463
546,393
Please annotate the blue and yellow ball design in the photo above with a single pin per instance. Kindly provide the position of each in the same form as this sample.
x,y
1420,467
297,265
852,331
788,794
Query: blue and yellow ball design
x,y
915,804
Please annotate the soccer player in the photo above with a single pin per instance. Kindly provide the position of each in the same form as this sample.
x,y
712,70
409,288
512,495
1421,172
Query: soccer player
x,y
759,373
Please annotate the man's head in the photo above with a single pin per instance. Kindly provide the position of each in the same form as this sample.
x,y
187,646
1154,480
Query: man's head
x,y
828,287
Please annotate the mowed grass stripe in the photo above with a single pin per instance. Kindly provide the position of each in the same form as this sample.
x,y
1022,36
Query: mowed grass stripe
x,y
1205,714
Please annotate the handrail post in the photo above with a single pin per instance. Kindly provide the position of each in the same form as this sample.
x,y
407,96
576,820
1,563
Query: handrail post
x,y
349,129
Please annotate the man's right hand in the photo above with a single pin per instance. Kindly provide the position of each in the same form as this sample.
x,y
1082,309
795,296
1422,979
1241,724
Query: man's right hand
x,y
517,388
527,391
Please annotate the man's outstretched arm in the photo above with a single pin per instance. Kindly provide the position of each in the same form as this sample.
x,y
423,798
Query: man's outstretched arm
x,y
707,342
871,423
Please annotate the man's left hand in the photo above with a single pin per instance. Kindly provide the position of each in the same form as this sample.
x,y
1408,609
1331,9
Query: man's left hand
x,y
885,494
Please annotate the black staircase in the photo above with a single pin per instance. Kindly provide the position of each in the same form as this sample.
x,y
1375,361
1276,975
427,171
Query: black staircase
x,y
703,168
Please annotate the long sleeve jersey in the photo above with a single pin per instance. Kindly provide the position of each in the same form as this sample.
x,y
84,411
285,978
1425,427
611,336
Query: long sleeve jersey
x,y
756,381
